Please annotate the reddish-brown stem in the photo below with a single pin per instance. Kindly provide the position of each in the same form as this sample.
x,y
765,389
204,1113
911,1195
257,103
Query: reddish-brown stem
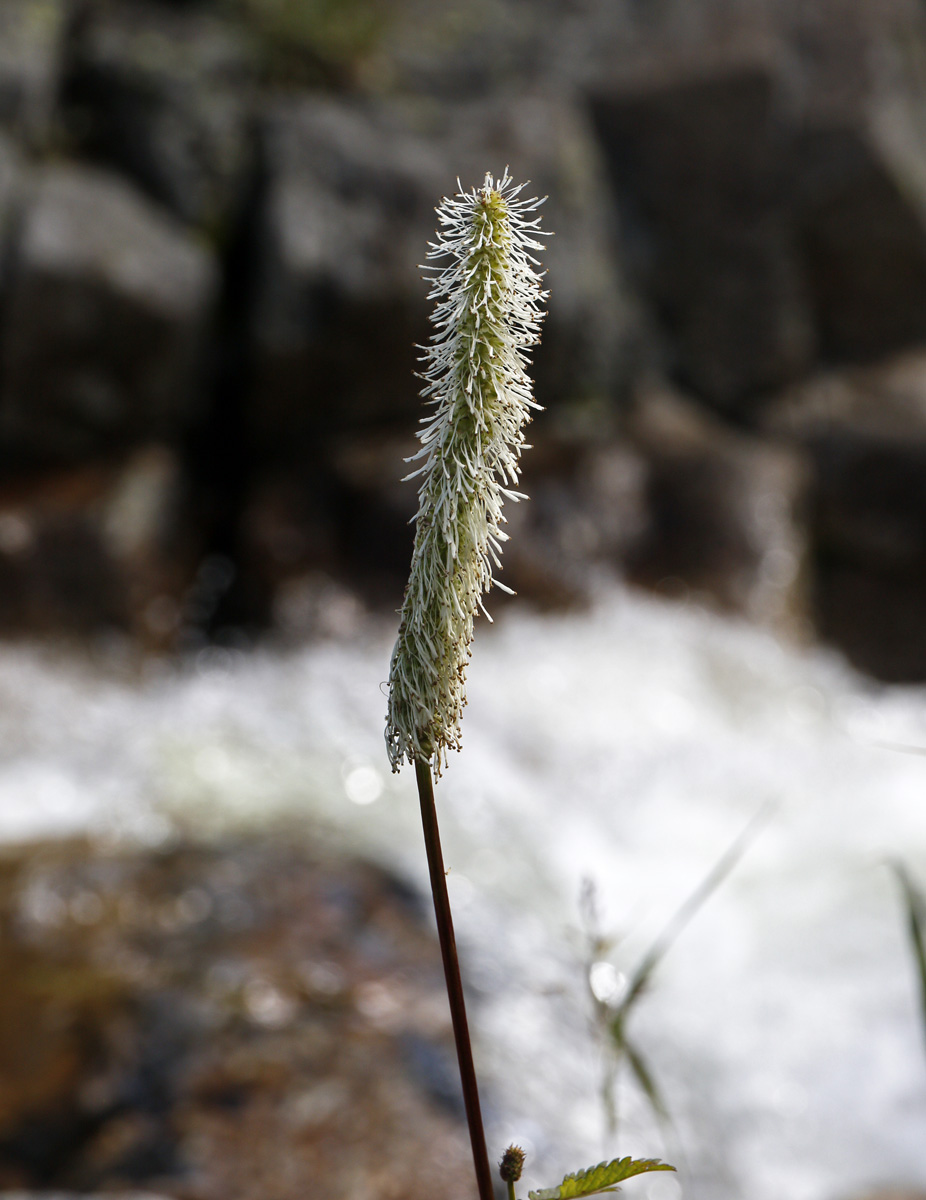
x,y
448,949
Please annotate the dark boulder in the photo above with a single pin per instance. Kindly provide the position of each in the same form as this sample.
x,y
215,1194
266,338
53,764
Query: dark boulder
x,y
108,305
32,42
347,215
165,96
859,210
875,619
699,167
673,500
864,433
721,514
339,304
214,1023
96,548
769,231
11,184
343,516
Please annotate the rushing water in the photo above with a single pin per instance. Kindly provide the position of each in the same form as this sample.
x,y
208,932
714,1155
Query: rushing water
x,y
628,746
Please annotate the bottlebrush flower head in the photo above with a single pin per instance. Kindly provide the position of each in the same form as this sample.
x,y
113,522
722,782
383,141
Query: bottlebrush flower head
x,y
487,316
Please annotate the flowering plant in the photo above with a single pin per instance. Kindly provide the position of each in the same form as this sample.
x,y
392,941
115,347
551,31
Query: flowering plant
x,y
487,316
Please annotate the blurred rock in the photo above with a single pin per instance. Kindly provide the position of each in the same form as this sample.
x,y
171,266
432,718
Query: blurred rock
x,y
830,52
32,36
311,604
755,169
671,498
861,222
217,1023
287,537
699,167
348,211
165,96
875,619
345,515
350,519
109,304
833,52
865,431
374,508
769,230
584,510
95,548
865,434
339,304
288,525
721,514
589,348
678,502
59,1195
11,182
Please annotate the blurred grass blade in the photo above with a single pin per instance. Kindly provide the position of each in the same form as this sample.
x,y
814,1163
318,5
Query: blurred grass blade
x,y
701,894
609,1082
915,904
615,1019
644,1078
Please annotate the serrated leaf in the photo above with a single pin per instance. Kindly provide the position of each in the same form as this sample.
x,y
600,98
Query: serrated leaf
x,y
602,1178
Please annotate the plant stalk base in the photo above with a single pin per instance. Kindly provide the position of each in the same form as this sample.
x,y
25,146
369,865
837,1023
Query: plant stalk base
x,y
448,947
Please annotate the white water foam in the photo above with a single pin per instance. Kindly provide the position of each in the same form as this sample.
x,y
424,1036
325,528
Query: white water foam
x,y
628,746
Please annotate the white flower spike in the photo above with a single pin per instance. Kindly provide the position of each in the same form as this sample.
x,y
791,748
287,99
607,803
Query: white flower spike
x,y
488,315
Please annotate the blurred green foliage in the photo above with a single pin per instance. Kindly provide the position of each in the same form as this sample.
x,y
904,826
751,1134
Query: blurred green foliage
x,y
314,41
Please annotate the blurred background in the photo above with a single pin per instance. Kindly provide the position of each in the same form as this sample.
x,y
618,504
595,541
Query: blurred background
x,y
219,977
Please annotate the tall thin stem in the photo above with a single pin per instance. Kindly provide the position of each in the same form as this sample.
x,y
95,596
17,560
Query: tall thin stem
x,y
448,948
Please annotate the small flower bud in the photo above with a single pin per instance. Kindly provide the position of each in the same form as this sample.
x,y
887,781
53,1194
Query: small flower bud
x,y
512,1164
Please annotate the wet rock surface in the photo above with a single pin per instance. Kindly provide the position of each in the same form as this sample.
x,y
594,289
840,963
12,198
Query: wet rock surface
x,y
32,53
864,433
699,164
340,304
862,241
97,547
721,514
107,310
219,1021
61,1195
165,94
212,216
11,183
766,236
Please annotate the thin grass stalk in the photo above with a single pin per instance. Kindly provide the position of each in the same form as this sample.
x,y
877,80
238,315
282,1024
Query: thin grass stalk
x,y
448,949
916,930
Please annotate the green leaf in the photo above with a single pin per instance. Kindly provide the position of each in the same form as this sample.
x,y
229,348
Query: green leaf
x,y
602,1178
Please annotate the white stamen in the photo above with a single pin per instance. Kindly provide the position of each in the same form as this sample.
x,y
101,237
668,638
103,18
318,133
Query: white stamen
x,y
487,316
